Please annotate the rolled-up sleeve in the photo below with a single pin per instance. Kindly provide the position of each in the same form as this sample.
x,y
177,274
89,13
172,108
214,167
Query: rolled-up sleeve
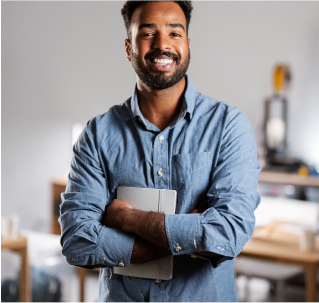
x,y
226,226
85,241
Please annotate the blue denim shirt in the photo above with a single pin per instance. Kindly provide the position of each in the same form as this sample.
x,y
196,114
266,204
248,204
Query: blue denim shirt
x,y
208,156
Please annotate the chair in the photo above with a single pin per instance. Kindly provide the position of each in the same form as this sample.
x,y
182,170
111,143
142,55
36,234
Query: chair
x,y
275,272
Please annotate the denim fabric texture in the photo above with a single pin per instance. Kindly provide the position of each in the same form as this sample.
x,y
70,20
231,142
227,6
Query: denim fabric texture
x,y
208,155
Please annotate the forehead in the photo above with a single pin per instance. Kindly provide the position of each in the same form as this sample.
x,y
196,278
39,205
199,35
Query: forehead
x,y
159,13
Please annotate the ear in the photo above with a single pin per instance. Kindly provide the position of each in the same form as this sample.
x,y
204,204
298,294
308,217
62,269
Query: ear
x,y
128,49
188,41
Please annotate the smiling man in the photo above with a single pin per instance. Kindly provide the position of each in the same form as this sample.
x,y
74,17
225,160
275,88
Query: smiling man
x,y
166,136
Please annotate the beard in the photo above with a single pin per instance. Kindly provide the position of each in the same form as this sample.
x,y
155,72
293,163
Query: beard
x,y
159,80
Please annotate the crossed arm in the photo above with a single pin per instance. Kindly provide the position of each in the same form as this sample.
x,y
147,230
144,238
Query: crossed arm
x,y
149,227
223,228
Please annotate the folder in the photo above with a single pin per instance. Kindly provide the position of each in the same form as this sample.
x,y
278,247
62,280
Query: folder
x,y
149,199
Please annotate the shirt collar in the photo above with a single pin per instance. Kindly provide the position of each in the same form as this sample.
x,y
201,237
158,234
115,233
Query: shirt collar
x,y
189,98
187,107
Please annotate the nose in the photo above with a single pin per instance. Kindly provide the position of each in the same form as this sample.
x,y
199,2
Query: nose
x,y
161,42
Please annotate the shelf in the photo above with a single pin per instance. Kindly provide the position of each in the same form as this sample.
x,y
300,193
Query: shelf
x,y
286,178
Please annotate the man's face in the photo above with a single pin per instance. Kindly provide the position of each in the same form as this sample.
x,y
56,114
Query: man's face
x,y
159,47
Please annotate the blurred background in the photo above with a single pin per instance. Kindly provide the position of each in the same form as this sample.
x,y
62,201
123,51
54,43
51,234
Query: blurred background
x,y
64,63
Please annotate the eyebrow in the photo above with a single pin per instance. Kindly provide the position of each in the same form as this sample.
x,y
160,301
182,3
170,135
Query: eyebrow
x,y
153,25
176,25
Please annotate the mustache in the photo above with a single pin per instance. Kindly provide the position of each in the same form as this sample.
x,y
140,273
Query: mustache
x,y
158,53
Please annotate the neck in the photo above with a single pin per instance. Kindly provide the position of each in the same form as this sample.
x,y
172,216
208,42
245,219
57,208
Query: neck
x,y
161,107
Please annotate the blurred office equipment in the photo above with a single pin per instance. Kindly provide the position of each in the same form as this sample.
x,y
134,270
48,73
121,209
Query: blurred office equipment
x,y
275,123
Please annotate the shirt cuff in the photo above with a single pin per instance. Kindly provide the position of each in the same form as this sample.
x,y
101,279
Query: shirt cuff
x,y
191,233
183,232
115,247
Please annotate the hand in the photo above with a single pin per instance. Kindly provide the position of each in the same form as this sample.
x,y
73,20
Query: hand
x,y
144,251
115,213
198,210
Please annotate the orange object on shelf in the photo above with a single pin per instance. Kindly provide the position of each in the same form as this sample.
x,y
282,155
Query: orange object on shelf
x,y
303,171
282,77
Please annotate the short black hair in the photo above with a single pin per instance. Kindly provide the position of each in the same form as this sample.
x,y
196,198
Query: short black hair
x,y
130,6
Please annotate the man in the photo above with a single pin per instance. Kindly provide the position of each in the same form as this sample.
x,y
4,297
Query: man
x,y
168,136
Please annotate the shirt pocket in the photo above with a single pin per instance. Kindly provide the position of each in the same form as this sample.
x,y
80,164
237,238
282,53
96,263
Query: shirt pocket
x,y
192,161
191,174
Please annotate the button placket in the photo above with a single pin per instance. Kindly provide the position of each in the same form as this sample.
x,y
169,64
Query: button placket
x,y
160,159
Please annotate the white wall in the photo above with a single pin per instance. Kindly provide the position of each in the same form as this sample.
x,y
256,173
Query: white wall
x,y
64,62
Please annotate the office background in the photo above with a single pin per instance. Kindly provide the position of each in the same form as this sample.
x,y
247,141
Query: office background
x,y
64,62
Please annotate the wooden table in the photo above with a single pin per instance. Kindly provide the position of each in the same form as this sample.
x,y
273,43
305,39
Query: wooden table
x,y
273,245
19,245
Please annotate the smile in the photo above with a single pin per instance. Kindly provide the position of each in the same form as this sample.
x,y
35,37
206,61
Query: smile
x,y
162,61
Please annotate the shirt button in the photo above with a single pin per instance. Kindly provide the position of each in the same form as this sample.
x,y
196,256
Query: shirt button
x,y
121,264
178,248
161,138
160,172
157,281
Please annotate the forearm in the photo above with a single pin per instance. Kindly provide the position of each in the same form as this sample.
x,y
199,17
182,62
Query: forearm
x,y
153,231
144,251
147,225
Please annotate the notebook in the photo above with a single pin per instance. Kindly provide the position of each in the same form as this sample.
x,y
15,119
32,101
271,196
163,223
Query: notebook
x,y
149,199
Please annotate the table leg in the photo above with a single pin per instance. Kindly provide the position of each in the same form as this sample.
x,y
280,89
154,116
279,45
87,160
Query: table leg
x,y
311,283
25,281
81,275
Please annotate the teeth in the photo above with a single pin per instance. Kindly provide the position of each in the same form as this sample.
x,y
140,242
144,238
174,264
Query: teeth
x,y
163,61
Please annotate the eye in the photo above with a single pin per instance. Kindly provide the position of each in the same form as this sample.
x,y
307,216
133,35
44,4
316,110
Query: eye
x,y
175,35
146,34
